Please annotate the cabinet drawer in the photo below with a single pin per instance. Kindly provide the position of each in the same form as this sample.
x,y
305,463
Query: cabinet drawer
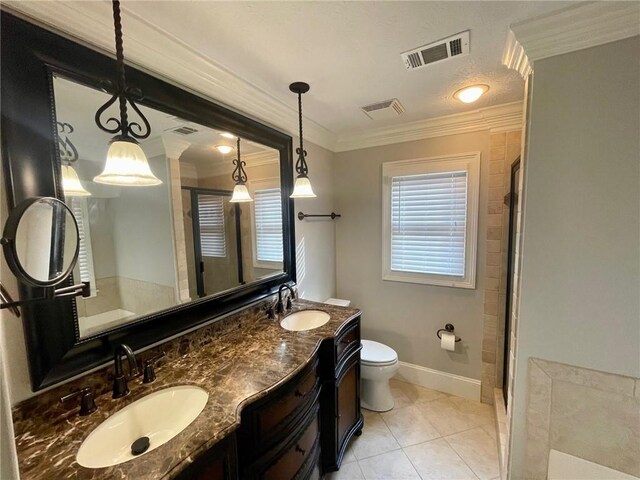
x,y
292,460
293,400
348,340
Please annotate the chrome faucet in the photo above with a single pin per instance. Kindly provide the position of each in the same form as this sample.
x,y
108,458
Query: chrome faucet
x,y
280,305
120,387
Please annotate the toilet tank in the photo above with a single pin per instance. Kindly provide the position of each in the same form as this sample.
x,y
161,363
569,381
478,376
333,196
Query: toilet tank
x,y
338,301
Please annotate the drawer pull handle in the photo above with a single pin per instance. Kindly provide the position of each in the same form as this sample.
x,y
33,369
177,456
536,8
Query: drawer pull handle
x,y
301,450
298,393
346,341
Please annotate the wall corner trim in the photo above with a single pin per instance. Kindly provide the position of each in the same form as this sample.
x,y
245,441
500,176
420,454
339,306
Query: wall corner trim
x,y
437,380
570,29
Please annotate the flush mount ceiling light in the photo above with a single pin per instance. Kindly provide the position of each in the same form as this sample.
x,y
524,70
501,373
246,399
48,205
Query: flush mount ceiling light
x,y
472,93
240,191
126,162
302,187
71,185
224,149
227,135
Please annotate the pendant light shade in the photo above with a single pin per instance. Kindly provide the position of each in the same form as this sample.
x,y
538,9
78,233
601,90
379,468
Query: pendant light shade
x,y
240,194
302,187
240,191
127,166
71,183
126,162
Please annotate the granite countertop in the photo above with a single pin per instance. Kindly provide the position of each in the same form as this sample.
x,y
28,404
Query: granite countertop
x,y
235,369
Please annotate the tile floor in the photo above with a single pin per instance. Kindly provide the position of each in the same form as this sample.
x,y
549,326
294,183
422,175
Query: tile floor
x,y
428,435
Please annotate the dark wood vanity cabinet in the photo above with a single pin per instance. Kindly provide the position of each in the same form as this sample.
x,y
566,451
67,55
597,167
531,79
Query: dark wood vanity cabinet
x,y
341,416
279,435
301,429
219,463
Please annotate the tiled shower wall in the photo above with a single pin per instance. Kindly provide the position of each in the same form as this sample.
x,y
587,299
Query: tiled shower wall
x,y
505,149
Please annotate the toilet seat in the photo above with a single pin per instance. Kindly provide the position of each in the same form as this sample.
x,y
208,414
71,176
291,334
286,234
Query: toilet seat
x,y
377,354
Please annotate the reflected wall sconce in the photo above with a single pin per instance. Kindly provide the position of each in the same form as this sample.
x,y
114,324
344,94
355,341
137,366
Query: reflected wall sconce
x,y
126,163
71,185
302,187
240,191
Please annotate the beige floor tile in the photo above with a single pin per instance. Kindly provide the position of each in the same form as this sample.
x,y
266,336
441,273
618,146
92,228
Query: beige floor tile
x,y
455,414
376,438
349,471
436,460
410,425
490,428
389,466
478,450
406,394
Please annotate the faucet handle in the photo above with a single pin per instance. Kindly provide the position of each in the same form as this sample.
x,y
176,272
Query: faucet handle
x,y
87,401
289,302
271,314
149,372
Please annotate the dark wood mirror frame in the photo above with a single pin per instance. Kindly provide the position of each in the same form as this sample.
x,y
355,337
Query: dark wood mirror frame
x,y
31,167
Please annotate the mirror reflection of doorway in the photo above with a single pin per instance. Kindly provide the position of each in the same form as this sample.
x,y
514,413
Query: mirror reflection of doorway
x,y
513,218
214,248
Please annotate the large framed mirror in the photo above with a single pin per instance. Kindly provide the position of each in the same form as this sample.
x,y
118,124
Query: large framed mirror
x,y
160,259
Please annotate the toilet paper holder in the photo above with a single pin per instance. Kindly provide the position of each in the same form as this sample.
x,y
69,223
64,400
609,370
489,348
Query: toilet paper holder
x,y
447,328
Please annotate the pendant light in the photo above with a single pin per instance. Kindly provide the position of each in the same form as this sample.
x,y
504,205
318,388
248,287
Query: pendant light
x,y
302,187
71,185
240,191
126,162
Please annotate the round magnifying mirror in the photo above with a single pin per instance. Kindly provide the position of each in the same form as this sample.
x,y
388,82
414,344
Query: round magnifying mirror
x,y
41,241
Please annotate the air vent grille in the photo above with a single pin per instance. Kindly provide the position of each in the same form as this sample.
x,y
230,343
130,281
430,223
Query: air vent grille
x,y
387,109
455,46
184,130
433,54
444,49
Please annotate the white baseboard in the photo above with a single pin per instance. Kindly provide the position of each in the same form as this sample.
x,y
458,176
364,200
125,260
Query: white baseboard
x,y
441,381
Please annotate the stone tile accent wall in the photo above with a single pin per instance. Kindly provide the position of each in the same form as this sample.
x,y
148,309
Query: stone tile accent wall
x,y
505,149
585,413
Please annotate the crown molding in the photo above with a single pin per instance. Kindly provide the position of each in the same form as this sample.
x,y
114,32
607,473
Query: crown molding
x,y
499,118
514,56
575,28
160,53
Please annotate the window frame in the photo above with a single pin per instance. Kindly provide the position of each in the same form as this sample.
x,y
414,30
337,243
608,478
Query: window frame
x,y
270,183
83,224
445,163
201,230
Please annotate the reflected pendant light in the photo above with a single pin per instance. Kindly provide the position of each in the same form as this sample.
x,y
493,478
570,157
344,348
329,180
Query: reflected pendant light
x,y
126,162
71,185
302,187
240,191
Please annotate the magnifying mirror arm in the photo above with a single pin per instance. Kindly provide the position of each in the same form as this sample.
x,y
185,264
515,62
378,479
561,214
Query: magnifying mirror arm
x,y
51,293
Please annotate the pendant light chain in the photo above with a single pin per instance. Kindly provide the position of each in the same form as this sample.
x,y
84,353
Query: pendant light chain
x,y
301,164
122,80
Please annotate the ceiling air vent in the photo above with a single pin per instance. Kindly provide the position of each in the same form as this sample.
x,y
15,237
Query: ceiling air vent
x,y
387,109
183,130
456,45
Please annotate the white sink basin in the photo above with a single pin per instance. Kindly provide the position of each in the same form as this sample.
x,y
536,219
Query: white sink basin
x,y
305,320
160,416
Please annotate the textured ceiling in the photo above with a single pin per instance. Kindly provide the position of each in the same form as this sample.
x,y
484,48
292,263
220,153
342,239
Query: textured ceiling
x,y
350,51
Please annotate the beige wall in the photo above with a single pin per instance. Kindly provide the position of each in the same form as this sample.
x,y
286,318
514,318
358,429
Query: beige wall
x,y
403,315
580,276
315,238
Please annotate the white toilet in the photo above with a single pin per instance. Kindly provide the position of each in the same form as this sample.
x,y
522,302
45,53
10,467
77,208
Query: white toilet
x,y
379,363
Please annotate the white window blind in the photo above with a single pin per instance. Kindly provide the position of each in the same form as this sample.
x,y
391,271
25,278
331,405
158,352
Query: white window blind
x,y
212,231
428,223
85,258
268,218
